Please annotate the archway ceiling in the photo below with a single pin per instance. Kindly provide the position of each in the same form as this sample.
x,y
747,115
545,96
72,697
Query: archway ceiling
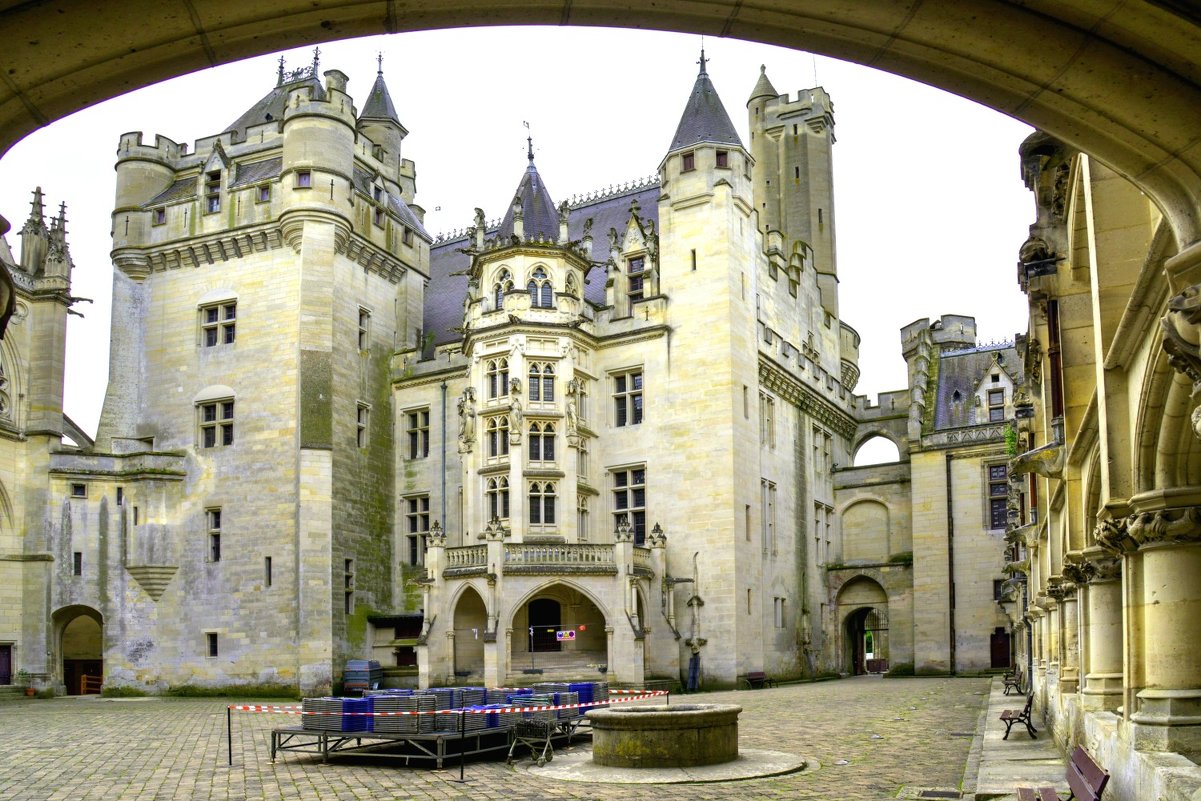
x,y
1120,80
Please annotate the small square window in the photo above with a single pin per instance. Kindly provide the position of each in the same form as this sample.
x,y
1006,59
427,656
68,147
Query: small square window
x,y
689,162
264,193
159,216
216,420
407,236
304,179
218,324
723,158
378,217
79,490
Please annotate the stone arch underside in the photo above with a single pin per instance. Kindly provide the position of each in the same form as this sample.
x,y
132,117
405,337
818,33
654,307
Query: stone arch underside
x,y
585,649
1124,87
79,638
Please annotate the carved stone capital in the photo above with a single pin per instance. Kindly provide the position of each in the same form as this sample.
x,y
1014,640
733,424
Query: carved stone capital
x,y
1059,589
1165,526
1113,536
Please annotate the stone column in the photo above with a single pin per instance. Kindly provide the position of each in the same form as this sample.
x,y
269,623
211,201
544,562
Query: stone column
x,y
1069,642
1099,576
1167,600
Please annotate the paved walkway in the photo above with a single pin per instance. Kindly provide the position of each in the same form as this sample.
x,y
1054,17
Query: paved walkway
x,y
1003,765
875,739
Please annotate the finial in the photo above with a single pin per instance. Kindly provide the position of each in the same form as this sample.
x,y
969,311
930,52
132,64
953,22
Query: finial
x,y
379,59
280,80
36,211
529,140
703,60
316,60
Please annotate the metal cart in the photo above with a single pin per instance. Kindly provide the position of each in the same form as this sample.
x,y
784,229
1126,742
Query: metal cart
x,y
535,735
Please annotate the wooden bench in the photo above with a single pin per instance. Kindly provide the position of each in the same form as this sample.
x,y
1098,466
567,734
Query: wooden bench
x,y
1085,777
1013,681
1012,716
757,679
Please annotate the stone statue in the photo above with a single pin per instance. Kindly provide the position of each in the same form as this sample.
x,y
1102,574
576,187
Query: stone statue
x,y
515,417
467,416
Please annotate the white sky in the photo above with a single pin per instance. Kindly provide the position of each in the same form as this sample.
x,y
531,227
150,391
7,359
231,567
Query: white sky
x,y
930,206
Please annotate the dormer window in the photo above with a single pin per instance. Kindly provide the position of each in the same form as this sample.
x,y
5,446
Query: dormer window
x,y
540,290
996,405
636,268
212,192
723,159
377,193
689,162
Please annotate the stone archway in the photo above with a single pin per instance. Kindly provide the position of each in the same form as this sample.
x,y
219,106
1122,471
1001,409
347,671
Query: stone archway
x,y
79,632
560,631
470,626
863,613
1125,87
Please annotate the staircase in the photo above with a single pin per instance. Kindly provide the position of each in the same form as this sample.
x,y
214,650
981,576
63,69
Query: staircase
x,y
557,666
11,692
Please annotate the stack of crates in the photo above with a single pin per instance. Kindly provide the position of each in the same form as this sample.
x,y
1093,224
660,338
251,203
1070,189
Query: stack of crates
x,y
469,696
443,699
584,689
498,716
361,675
571,701
334,714
396,692
600,694
539,699
403,724
501,695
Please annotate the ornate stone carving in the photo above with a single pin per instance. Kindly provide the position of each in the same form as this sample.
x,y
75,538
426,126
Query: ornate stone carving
x,y
1059,589
466,420
1046,461
1165,527
1181,329
1113,536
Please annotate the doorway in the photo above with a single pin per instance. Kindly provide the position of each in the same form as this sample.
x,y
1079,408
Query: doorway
x,y
546,618
1000,646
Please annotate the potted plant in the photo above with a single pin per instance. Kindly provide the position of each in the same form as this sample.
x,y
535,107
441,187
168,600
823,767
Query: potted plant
x,y
25,680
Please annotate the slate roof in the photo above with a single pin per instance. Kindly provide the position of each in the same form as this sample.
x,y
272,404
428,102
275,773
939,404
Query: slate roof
x,y
182,189
272,105
362,180
540,217
704,118
379,103
445,293
962,371
256,171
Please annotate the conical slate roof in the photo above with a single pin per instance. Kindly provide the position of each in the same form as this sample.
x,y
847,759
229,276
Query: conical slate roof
x,y
763,87
539,215
379,103
704,118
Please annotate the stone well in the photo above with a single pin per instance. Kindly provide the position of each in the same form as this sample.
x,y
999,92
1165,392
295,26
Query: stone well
x,y
662,736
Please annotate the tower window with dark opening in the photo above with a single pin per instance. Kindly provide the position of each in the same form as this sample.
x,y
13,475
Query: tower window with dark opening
x,y
689,162
723,158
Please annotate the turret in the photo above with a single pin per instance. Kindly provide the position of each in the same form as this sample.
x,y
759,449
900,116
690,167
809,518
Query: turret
x,y
380,124
792,143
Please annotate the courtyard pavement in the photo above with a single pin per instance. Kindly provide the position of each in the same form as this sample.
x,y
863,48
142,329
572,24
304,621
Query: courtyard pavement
x,y
873,738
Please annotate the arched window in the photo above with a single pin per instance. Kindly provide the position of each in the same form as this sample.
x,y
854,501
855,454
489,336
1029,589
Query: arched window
x,y
498,378
496,494
542,382
497,429
542,503
504,283
539,288
573,288
542,442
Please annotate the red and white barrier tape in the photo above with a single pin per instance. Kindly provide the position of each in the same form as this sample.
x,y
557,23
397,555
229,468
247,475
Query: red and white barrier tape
x,y
296,710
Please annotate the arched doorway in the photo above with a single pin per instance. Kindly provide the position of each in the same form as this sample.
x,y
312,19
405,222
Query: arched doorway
x,y
559,631
81,646
470,625
863,609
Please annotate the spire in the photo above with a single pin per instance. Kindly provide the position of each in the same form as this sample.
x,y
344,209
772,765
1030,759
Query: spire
x,y
704,118
379,102
37,215
540,218
763,87
270,107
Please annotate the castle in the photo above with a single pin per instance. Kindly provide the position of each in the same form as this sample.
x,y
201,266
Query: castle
x,y
611,437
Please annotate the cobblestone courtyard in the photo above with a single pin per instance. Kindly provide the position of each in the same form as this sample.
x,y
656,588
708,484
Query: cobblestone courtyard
x,y
914,733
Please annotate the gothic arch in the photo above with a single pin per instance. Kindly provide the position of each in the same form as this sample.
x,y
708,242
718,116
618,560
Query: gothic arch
x,y
1139,65
1169,455
549,585
865,434
470,587
12,384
